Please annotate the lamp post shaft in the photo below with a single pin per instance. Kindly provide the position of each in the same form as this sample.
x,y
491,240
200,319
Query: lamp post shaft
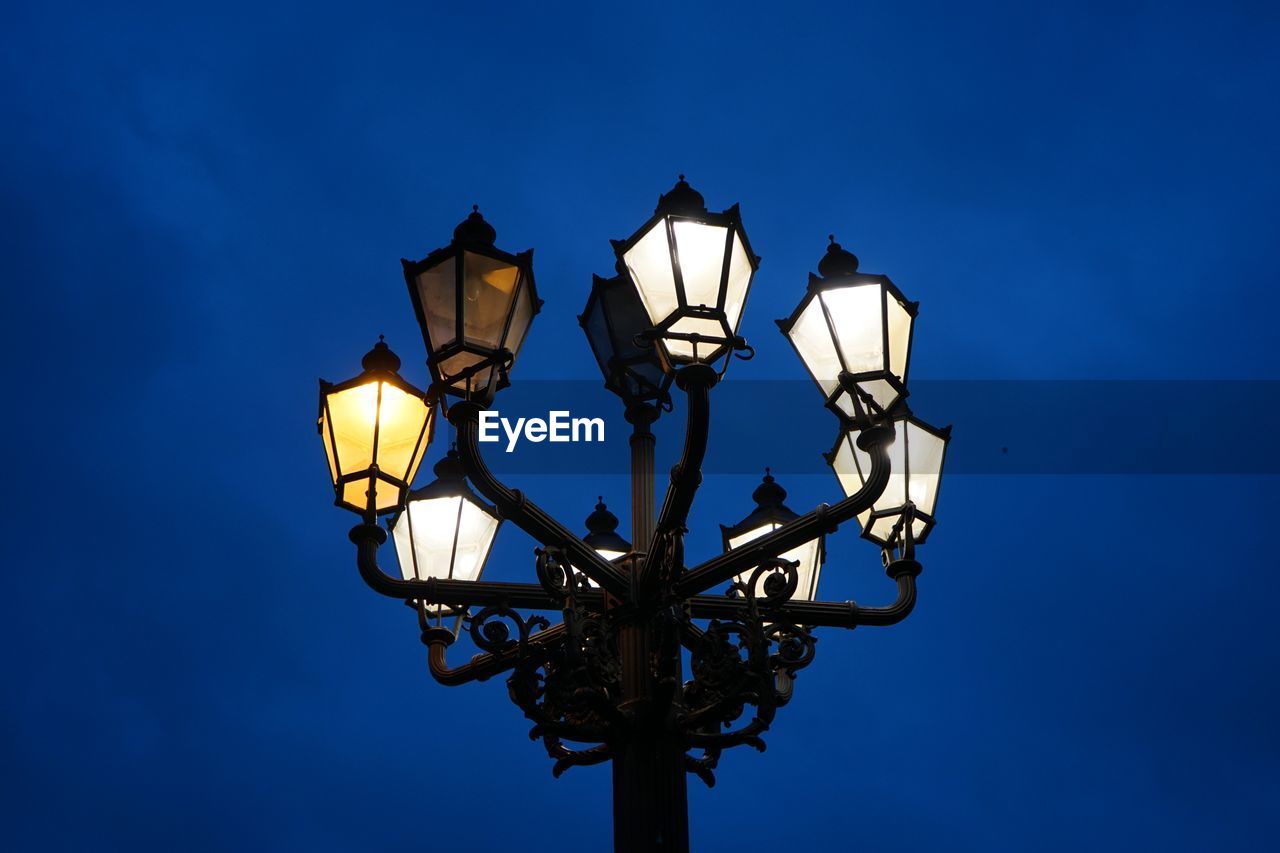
x,y
642,496
650,798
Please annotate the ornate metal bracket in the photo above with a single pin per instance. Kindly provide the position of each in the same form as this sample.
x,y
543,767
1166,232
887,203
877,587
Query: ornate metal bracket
x,y
744,649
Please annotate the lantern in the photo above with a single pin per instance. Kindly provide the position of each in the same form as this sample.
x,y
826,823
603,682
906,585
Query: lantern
x,y
770,514
444,531
614,320
375,428
474,304
853,332
602,535
692,270
915,459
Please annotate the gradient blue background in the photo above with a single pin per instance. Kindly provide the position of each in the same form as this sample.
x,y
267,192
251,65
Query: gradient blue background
x,y
203,210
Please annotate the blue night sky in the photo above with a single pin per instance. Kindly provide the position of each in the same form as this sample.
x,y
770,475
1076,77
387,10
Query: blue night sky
x,y
203,211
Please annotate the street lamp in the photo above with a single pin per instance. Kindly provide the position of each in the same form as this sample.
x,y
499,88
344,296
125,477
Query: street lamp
x,y
375,429
615,321
692,269
646,668
602,534
853,332
769,515
916,459
444,531
474,303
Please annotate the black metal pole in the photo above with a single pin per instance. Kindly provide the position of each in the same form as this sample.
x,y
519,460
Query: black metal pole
x,y
641,418
650,798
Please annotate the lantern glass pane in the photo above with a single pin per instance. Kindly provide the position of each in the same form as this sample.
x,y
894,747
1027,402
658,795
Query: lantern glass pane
x,y
711,329
649,261
700,250
402,419
356,492
520,320
852,468
925,450
845,464
645,378
880,390
739,279
386,495
437,292
882,528
328,445
597,330
488,287
895,493
610,555
899,337
806,554
813,340
455,364
353,412
428,530
856,318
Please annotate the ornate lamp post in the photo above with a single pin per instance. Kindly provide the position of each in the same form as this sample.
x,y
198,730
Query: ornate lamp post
x,y
607,681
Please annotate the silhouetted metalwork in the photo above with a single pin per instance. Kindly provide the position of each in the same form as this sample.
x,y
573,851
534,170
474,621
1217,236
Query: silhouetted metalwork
x,y
607,680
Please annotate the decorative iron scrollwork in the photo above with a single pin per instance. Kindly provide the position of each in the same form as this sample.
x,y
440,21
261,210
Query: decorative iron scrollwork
x,y
570,690
748,661
490,629
555,575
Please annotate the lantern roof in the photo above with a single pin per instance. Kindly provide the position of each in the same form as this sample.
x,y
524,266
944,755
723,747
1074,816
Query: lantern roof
x,y
837,261
682,200
381,358
380,364
450,482
770,509
602,526
475,230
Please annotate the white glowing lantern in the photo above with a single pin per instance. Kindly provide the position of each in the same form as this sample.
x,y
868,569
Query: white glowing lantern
x,y
853,333
693,270
445,531
915,459
770,514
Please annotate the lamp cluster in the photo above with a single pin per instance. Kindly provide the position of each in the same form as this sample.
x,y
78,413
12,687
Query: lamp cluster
x,y
608,682
676,300
853,332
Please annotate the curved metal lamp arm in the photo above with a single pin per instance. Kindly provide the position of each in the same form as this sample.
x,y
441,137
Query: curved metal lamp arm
x,y
825,519
832,614
452,593
696,380
482,666
528,516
